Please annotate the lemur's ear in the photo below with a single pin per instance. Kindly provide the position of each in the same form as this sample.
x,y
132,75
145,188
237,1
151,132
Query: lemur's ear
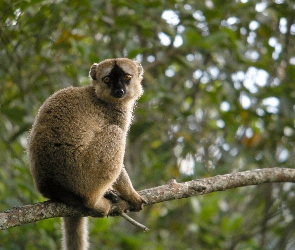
x,y
92,72
139,68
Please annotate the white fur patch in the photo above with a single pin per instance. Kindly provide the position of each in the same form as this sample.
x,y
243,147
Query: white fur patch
x,y
106,70
127,68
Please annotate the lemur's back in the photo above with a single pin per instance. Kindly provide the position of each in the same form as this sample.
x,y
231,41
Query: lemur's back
x,y
61,143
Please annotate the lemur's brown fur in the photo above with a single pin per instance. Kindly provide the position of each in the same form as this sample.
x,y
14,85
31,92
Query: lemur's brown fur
x,y
77,143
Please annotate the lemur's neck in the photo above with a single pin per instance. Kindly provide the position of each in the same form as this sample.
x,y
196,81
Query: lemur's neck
x,y
121,114
118,112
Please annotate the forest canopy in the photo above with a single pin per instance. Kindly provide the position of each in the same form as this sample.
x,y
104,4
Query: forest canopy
x,y
219,98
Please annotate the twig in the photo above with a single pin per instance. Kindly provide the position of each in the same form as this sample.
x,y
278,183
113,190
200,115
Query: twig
x,y
134,222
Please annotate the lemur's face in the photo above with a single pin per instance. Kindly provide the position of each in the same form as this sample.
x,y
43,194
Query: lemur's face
x,y
117,79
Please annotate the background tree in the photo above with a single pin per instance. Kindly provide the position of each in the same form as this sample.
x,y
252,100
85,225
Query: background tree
x,y
219,98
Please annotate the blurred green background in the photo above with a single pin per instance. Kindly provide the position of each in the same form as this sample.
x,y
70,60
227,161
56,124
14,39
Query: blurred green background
x,y
219,98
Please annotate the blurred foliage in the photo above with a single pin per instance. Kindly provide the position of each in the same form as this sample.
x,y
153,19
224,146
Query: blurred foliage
x,y
219,97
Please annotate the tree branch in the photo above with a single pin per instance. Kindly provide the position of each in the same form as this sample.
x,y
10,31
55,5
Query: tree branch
x,y
170,191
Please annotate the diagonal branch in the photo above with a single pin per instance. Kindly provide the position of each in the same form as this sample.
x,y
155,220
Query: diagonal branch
x,y
170,191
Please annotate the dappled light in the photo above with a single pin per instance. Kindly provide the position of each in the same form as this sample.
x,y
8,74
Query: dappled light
x,y
219,97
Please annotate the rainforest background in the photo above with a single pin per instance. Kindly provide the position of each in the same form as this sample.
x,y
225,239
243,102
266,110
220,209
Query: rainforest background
x,y
219,98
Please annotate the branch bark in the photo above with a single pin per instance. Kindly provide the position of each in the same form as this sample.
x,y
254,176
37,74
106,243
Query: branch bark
x,y
170,191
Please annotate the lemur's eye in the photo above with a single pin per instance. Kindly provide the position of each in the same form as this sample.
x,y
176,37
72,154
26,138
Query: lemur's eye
x,y
127,77
106,79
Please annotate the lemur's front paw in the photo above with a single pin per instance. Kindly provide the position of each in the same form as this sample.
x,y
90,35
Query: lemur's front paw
x,y
137,203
